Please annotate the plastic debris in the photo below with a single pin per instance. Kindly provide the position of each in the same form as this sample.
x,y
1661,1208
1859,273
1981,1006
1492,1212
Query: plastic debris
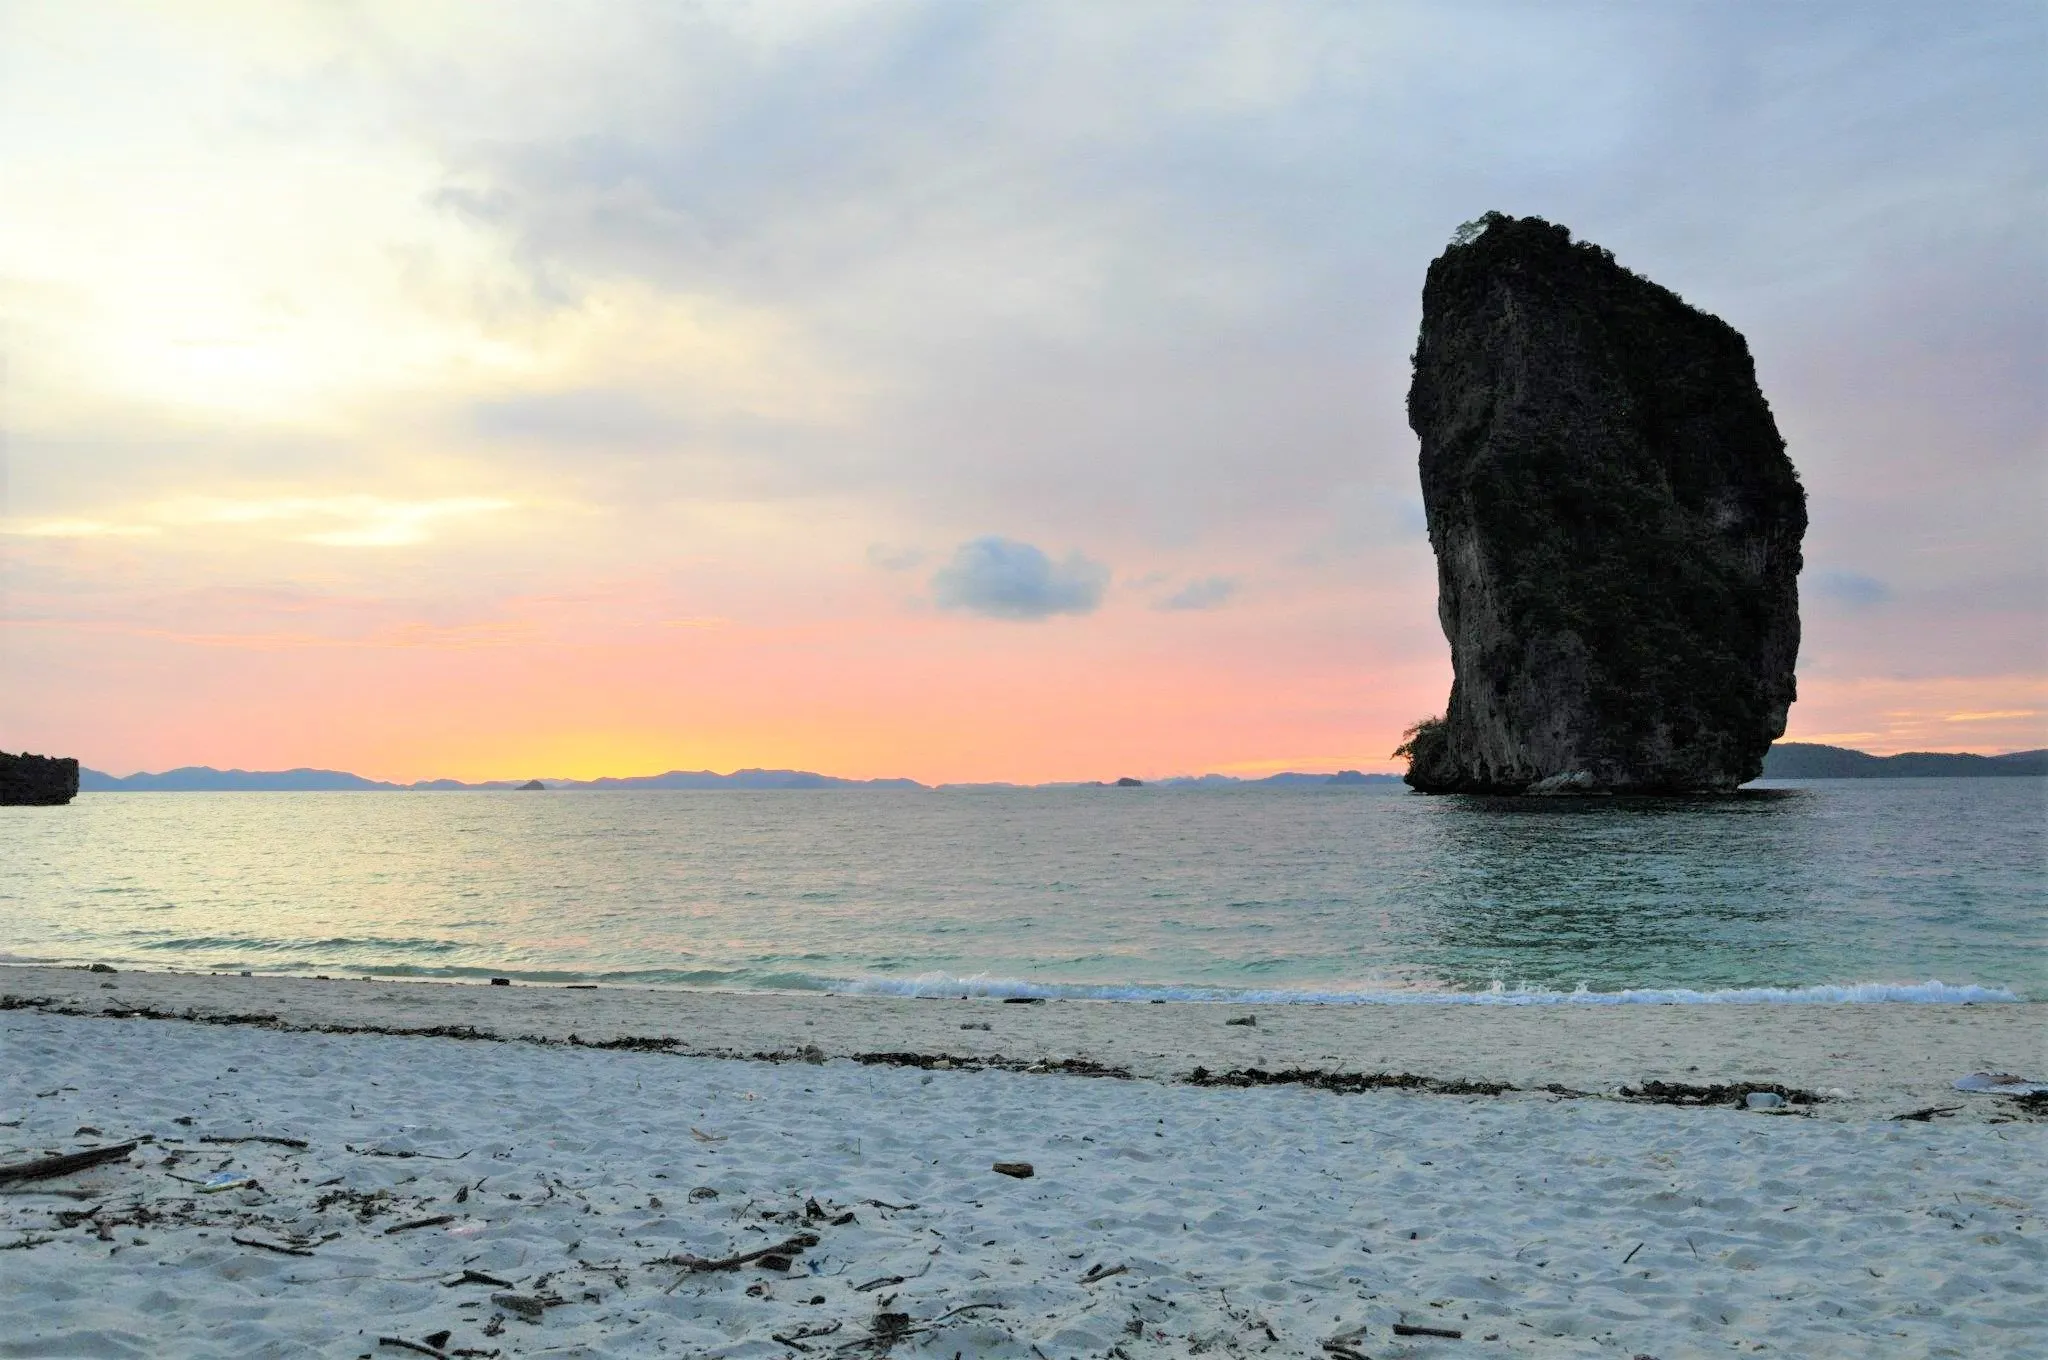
x,y
2000,1084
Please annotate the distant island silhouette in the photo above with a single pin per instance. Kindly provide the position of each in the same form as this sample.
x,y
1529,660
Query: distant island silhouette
x,y
1786,760
206,779
1804,760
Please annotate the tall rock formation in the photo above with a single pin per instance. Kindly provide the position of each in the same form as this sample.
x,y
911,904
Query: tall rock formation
x,y
1615,521
40,781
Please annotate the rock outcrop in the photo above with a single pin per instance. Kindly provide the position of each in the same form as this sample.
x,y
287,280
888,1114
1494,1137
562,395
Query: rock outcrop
x,y
37,781
1616,527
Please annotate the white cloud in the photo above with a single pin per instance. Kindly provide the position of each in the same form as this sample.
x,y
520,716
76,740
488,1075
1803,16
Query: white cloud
x,y
1001,578
78,528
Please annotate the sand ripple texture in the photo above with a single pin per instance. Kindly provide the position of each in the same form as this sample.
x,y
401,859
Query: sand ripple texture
x,y
1162,1221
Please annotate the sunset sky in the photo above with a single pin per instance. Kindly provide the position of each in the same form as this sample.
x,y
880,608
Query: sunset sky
x,y
960,391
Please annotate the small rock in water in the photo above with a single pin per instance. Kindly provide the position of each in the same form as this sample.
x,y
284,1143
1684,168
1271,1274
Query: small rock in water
x,y
501,982
1252,1020
1021,1170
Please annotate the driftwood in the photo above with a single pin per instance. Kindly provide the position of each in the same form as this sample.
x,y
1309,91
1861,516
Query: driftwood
x,y
1406,1329
65,1164
795,1340
786,1249
436,1221
400,1343
278,1247
477,1277
58,1193
891,1329
883,1282
1928,1115
299,1143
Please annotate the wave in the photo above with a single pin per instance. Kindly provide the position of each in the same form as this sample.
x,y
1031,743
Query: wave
x,y
1926,993
935,984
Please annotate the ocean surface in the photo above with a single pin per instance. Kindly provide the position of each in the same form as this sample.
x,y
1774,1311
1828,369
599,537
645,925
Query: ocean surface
x,y
1897,890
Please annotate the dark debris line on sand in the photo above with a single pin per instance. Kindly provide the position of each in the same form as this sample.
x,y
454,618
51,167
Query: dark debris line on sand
x,y
1682,1093
1341,1083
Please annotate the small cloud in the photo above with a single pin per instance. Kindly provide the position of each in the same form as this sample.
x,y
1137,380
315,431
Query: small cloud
x,y
1208,593
81,528
1991,715
890,557
1852,589
1004,579
356,521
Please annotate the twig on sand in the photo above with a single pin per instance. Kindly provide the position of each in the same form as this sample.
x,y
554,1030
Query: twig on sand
x,y
436,1221
1632,1253
1098,1271
881,1283
885,1281
1343,1352
694,1265
403,1154
1928,1115
1408,1329
795,1340
477,1277
58,1192
278,1247
299,1143
891,1329
400,1343
45,1167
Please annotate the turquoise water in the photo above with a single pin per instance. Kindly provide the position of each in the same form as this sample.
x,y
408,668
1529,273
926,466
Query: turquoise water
x,y
1881,889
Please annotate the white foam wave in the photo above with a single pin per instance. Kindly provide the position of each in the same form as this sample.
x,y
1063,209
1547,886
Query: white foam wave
x,y
939,984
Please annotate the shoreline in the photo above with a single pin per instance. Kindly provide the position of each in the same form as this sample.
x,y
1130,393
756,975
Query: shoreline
x,y
982,987
1871,1060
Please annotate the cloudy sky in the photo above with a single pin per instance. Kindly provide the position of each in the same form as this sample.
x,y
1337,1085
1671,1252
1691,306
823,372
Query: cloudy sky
x,y
965,391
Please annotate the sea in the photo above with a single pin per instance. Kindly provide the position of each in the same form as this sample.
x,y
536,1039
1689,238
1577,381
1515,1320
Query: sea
x,y
1895,890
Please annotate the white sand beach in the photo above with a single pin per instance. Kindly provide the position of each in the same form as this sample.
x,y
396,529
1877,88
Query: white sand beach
x,y
588,1191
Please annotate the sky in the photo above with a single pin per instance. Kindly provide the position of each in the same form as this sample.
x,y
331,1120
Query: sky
x,y
965,391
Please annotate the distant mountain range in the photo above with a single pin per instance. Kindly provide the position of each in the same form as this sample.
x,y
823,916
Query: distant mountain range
x,y
204,778
1801,760
1787,760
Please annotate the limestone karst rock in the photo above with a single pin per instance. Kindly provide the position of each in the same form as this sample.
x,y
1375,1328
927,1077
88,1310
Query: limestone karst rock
x,y
37,781
1616,527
